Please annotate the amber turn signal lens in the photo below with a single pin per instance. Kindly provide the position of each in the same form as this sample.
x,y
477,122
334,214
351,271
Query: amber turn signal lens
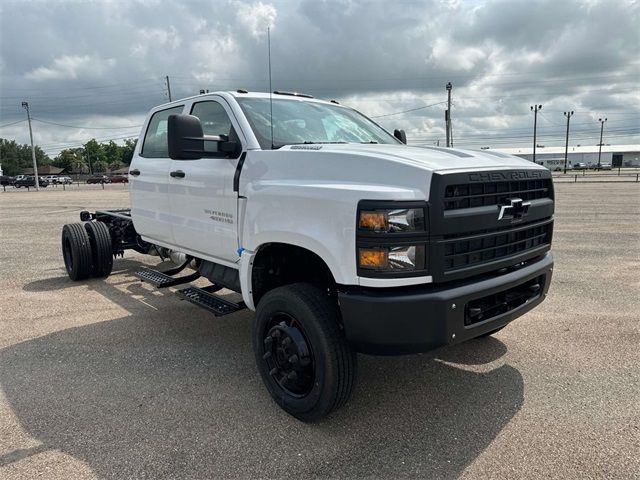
x,y
375,259
374,221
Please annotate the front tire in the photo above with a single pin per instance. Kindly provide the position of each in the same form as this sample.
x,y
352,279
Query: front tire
x,y
302,354
76,250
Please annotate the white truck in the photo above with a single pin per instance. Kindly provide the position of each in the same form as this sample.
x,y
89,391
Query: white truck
x,y
339,236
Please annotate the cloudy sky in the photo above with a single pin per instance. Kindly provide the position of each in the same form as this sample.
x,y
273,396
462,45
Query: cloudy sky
x,y
100,65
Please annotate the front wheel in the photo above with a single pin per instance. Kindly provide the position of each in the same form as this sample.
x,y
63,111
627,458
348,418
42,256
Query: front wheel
x,y
302,354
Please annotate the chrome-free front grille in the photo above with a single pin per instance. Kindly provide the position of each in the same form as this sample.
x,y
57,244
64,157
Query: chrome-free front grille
x,y
469,195
483,246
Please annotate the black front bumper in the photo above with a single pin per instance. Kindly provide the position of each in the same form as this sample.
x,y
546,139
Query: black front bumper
x,y
397,321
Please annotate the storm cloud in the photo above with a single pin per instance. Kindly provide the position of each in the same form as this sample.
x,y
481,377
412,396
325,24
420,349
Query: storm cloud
x,y
102,64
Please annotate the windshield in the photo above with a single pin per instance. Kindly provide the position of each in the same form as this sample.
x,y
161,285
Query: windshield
x,y
299,121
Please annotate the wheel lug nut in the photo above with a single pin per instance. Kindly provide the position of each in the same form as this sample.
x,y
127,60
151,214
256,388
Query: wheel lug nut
x,y
293,359
273,371
266,355
292,375
286,342
268,341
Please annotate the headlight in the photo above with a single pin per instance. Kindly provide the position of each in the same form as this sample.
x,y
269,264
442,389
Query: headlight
x,y
400,220
391,238
396,258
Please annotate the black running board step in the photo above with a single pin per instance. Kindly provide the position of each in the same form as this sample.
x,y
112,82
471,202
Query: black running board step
x,y
209,301
162,280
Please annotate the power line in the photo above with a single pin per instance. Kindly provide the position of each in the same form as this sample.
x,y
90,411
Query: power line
x,y
407,111
87,128
12,123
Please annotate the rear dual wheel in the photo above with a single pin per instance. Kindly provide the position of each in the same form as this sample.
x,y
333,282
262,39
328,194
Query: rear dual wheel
x,y
76,250
101,248
87,250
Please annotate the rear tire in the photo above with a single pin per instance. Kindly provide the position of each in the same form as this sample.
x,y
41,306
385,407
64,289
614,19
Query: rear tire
x,y
302,354
101,248
76,250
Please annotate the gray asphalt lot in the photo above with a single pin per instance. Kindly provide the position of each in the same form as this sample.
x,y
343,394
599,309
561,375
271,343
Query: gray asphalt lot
x,y
112,378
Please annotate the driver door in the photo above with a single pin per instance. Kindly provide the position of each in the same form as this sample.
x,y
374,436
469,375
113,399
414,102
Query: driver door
x,y
203,203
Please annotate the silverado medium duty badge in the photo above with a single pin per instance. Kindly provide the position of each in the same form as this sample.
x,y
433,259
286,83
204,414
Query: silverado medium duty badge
x,y
515,210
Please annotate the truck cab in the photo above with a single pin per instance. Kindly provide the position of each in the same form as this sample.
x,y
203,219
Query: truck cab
x,y
340,236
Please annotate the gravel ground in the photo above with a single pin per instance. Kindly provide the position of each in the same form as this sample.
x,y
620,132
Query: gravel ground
x,y
115,379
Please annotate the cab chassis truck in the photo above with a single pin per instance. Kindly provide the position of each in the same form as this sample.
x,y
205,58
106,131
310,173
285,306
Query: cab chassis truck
x,y
338,235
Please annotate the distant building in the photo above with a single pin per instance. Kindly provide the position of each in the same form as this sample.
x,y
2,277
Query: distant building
x,y
553,157
44,170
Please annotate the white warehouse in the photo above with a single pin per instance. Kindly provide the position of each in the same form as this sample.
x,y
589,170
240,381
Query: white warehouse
x,y
553,157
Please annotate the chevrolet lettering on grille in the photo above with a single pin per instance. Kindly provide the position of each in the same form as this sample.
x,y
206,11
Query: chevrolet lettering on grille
x,y
514,211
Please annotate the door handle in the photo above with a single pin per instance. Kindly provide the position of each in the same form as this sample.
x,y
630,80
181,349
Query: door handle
x,y
135,172
177,174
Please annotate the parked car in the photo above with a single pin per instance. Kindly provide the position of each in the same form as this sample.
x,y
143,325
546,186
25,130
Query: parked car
x,y
65,180
119,179
52,179
30,182
98,179
580,166
604,166
6,180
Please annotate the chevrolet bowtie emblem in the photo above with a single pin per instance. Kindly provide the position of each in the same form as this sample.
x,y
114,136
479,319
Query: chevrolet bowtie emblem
x,y
515,210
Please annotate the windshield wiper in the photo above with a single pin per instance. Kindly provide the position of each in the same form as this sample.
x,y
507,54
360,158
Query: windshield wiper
x,y
308,142
370,141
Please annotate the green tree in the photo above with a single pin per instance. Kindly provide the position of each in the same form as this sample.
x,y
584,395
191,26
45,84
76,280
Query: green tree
x,y
127,150
69,159
100,166
116,165
112,152
15,157
93,151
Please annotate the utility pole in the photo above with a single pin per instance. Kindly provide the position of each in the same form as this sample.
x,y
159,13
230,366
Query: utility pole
x,y
447,115
600,147
566,145
535,109
168,87
33,150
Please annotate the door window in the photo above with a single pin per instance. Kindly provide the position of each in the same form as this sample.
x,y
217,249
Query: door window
x,y
155,141
215,121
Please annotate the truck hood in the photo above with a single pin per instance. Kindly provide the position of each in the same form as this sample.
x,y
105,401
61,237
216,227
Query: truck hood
x,y
426,157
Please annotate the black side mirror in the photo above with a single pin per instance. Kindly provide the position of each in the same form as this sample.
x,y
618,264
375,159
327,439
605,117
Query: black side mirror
x,y
185,139
400,135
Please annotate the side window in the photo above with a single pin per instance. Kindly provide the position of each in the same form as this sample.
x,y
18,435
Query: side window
x,y
215,121
155,140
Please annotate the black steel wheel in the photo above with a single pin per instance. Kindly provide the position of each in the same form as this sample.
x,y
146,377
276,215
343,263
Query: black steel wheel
x,y
288,355
101,248
303,357
76,251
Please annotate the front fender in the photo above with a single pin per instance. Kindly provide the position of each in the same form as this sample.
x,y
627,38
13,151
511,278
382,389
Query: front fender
x,y
319,216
